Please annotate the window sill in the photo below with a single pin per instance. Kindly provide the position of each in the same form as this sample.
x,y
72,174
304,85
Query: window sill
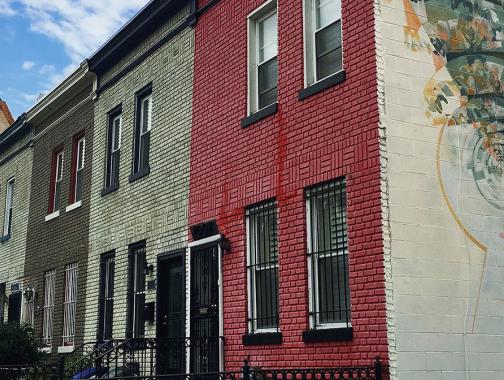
x,y
109,189
46,350
66,349
73,206
322,85
52,216
139,174
341,334
262,339
259,115
4,238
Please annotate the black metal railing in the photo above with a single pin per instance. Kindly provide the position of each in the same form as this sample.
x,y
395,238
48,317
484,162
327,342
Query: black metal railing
x,y
143,357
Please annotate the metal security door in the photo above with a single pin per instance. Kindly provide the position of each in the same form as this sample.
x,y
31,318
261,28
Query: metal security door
x,y
204,352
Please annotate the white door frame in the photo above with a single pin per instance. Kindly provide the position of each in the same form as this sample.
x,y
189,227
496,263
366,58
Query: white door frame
x,y
212,240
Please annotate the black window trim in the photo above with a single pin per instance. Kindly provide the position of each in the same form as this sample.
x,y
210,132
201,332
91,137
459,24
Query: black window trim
x,y
136,171
111,115
104,258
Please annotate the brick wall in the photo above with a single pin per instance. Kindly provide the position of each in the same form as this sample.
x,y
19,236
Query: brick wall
x,y
444,186
12,251
153,208
63,240
332,134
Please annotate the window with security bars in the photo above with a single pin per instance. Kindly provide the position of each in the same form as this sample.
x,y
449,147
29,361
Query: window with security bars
x,y
328,255
9,201
70,304
142,130
323,39
262,244
263,60
106,316
48,319
136,291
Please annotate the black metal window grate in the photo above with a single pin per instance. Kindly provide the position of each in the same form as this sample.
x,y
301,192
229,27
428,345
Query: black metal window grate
x,y
328,255
262,240
136,291
106,317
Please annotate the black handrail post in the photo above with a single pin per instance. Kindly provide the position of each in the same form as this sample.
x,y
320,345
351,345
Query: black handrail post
x,y
246,369
61,368
378,368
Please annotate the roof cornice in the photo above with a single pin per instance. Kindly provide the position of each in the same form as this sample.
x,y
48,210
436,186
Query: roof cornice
x,y
80,77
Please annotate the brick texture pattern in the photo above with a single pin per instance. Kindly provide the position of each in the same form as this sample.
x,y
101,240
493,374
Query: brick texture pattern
x,y
332,134
64,240
153,208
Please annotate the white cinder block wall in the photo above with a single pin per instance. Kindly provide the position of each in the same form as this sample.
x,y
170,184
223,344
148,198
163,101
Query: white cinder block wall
x,y
443,194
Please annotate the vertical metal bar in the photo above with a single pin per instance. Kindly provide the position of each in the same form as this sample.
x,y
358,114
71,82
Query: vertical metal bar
x,y
345,252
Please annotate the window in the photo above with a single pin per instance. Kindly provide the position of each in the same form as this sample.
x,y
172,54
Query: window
x,y
78,155
2,302
136,291
113,150
328,255
106,316
69,304
142,130
28,308
263,62
262,244
323,42
49,290
9,200
57,178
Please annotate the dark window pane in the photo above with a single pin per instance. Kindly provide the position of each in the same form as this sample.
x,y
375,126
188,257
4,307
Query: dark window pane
x,y
57,192
267,305
144,150
334,292
268,78
328,50
78,185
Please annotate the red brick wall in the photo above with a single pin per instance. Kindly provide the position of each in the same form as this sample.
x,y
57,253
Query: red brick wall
x,y
331,134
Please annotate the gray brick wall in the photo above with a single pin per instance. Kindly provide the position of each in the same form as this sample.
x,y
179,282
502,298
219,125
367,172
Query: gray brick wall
x,y
12,251
153,208
64,240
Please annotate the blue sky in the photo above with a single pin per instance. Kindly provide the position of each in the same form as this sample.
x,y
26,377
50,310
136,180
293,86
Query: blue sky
x,y
42,41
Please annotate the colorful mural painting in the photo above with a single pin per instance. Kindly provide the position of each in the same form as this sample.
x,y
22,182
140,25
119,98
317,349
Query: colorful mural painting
x,y
464,98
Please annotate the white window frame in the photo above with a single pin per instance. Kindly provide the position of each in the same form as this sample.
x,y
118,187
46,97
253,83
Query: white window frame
x,y
48,308
79,168
149,120
70,304
251,284
310,49
113,149
313,293
9,202
253,19
58,178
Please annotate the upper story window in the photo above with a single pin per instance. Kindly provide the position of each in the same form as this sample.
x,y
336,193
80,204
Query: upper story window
x,y
113,149
142,131
56,181
9,201
263,62
79,149
329,287
262,246
323,42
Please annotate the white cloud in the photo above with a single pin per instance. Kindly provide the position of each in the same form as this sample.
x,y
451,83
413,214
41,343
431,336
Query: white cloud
x,y
46,69
6,8
28,65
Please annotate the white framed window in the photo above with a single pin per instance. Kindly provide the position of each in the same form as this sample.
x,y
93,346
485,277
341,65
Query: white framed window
x,y
114,149
69,304
142,132
323,39
49,296
80,147
328,269
262,268
9,201
262,57
58,179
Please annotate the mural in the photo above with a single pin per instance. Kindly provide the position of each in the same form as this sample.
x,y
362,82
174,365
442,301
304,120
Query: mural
x,y
464,98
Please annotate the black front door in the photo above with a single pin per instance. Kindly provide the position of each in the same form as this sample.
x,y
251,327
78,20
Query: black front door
x,y
171,316
204,310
